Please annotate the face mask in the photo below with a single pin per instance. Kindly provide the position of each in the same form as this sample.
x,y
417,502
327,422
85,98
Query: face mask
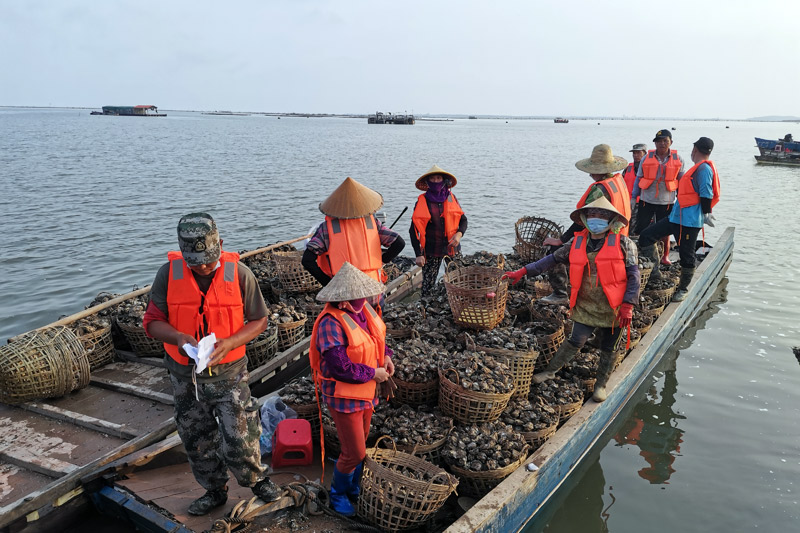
x,y
353,305
436,187
596,225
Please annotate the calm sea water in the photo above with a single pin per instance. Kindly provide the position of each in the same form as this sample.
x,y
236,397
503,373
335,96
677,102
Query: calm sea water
x,y
90,204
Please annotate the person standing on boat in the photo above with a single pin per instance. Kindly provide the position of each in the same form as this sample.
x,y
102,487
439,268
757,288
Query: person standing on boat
x,y
698,193
603,167
605,280
202,290
629,175
349,357
351,233
437,225
656,185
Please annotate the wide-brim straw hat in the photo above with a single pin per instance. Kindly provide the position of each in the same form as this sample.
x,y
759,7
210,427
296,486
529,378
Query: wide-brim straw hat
x,y
351,200
602,161
600,203
422,181
350,284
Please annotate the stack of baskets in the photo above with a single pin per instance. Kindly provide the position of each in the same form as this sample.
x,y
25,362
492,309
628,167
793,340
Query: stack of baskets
x,y
401,491
291,273
477,294
530,235
47,363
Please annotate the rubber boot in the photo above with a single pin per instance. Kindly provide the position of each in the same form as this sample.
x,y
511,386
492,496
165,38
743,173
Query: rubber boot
x,y
339,487
665,257
649,253
355,487
683,285
604,369
563,356
558,281
210,500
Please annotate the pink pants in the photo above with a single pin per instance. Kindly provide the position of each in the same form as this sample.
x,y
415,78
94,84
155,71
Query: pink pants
x,y
353,429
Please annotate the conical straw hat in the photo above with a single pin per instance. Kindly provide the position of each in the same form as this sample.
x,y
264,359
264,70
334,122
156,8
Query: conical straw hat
x,y
351,200
349,284
422,181
600,203
603,161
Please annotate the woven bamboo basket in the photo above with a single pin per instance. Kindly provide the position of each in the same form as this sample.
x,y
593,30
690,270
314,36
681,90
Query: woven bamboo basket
x,y
647,320
479,484
140,343
548,346
477,294
567,410
663,296
588,387
521,364
99,347
645,277
262,348
539,288
467,406
430,452
654,310
312,312
310,412
290,333
47,363
394,501
536,438
291,273
416,394
530,235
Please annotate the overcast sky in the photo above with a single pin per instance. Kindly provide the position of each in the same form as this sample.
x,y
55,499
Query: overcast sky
x,y
679,58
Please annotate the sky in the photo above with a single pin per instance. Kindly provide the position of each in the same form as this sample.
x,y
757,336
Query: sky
x,y
728,59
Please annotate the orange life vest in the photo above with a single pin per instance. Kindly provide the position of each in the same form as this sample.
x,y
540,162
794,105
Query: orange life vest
x,y
610,264
363,347
629,175
355,240
451,212
650,167
222,305
618,195
687,195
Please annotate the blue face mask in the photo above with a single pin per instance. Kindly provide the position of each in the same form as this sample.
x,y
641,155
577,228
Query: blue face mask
x,y
596,225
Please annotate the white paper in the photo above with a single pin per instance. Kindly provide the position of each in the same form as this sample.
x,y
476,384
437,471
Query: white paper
x,y
202,352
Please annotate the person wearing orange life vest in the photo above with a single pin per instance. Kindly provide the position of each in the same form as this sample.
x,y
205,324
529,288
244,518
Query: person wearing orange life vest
x,y
437,224
605,279
698,193
603,167
349,358
656,185
199,291
629,175
351,233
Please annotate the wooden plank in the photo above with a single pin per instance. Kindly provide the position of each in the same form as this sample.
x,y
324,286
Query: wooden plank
x,y
12,512
90,422
133,358
520,496
127,388
25,458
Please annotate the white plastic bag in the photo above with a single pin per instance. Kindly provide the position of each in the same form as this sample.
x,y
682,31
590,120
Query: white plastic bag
x,y
272,412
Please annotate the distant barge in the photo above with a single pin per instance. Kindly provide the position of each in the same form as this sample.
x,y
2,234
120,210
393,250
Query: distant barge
x,y
784,151
388,118
560,120
130,111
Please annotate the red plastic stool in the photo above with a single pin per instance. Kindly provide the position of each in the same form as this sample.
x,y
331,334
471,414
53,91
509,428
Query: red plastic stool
x,y
292,443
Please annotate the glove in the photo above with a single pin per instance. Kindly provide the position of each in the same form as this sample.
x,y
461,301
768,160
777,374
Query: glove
x,y
625,315
633,205
708,219
516,275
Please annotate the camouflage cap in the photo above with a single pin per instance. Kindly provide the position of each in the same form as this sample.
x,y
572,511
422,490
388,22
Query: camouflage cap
x,y
198,239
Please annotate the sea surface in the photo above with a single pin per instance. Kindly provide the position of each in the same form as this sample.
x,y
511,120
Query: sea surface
x,y
91,203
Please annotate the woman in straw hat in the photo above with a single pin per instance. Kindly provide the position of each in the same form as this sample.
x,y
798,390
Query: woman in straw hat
x,y
349,357
604,275
351,233
437,225
603,167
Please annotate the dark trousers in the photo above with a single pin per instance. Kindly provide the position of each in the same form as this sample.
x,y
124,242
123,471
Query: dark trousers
x,y
609,337
685,237
645,215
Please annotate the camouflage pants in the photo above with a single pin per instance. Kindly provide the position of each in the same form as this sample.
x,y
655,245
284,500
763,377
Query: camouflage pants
x,y
219,431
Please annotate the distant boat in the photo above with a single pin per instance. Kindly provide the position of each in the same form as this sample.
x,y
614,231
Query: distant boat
x,y
560,120
131,111
784,151
473,117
